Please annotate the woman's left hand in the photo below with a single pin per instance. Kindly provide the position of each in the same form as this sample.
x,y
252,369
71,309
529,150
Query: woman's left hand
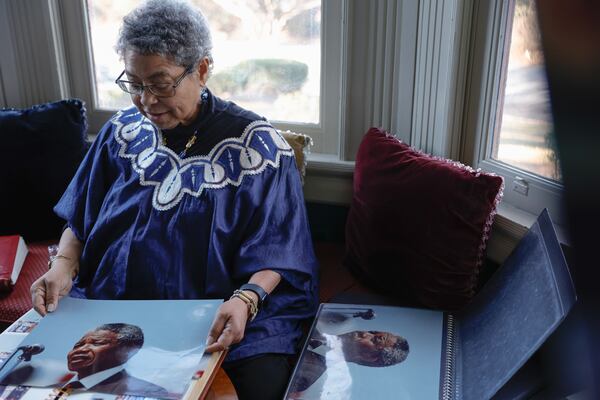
x,y
228,326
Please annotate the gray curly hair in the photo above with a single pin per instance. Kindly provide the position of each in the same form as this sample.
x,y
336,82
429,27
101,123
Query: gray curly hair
x,y
395,354
128,335
169,28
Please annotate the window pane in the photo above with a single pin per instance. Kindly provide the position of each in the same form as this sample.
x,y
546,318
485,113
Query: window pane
x,y
267,55
525,139
105,18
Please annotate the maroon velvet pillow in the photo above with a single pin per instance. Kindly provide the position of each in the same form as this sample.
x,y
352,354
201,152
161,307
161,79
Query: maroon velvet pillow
x,y
418,224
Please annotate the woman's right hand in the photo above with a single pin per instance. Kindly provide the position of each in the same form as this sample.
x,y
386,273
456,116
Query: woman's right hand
x,y
53,285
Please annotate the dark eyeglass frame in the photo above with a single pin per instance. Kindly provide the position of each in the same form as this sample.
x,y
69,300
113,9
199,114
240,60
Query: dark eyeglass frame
x,y
122,83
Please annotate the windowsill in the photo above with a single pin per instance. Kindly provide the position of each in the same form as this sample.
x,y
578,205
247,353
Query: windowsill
x,y
329,164
510,224
329,181
516,222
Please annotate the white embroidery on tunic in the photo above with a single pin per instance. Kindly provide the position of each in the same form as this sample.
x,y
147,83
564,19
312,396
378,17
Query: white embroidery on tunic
x,y
230,161
259,146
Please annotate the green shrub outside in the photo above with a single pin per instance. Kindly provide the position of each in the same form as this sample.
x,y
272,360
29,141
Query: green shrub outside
x,y
265,75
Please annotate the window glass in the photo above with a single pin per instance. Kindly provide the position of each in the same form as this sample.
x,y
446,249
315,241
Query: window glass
x,y
105,17
524,137
267,54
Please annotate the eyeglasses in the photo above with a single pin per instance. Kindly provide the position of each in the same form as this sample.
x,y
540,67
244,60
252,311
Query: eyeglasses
x,y
157,89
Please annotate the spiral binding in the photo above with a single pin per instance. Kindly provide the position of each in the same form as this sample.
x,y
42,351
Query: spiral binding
x,y
449,360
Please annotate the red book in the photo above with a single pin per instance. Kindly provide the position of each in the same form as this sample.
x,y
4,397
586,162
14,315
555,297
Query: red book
x,y
12,256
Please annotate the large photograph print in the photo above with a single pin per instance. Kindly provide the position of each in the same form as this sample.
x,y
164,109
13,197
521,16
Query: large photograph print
x,y
370,352
125,347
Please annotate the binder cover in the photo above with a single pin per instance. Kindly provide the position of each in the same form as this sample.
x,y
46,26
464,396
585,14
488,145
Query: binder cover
x,y
467,355
521,305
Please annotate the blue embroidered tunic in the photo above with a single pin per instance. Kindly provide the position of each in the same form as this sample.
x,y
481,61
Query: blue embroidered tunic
x,y
155,226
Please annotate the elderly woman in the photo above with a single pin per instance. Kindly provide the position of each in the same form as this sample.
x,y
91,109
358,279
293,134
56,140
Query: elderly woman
x,y
187,196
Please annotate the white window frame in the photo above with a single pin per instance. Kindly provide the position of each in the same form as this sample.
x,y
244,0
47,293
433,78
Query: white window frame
x,y
82,77
424,70
368,61
489,35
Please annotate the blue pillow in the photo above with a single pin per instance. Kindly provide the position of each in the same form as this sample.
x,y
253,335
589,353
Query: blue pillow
x,y
40,150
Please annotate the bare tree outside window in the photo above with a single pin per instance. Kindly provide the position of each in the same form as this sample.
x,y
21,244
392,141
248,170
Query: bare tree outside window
x,y
524,135
267,54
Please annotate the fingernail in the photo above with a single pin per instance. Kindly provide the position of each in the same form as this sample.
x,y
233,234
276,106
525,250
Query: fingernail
x,y
51,307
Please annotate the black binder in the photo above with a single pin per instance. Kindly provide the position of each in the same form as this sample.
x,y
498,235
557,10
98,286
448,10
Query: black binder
x,y
483,345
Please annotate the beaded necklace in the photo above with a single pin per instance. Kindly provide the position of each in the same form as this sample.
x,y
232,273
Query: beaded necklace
x,y
188,145
192,139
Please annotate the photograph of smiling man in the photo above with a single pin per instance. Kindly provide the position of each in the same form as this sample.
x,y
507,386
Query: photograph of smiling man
x,y
98,361
118,347
360,352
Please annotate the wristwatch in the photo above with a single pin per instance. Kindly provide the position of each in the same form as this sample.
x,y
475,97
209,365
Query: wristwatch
x,y
260,292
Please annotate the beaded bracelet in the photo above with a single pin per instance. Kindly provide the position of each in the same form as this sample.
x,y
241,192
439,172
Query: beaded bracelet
x,y
252,307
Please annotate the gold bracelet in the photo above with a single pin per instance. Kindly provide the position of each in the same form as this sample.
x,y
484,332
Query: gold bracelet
x,y
53,258
252,311
247,297
252,307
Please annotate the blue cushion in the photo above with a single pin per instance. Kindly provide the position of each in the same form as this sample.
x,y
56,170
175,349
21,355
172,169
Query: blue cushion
x,y
40,150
